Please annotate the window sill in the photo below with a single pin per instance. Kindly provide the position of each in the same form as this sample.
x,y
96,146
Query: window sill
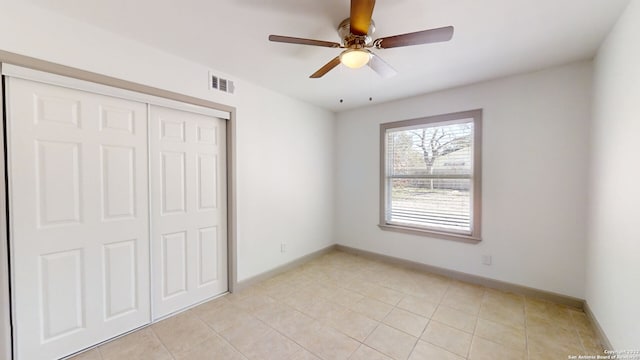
x,y
430,233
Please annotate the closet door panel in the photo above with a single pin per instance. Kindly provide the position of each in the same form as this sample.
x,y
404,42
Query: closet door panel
x,y
79,217
188,207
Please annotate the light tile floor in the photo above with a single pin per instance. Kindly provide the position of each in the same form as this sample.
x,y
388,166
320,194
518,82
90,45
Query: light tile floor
x,y
342,306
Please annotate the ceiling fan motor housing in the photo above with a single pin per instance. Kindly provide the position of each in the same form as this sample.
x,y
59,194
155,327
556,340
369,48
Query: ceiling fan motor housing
x,y
353,41
355,33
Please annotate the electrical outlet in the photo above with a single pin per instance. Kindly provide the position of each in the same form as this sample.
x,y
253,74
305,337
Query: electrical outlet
x,y
486,259
283,247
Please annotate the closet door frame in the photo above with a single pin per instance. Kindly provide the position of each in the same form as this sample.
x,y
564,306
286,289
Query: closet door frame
x,y
5,309
55,74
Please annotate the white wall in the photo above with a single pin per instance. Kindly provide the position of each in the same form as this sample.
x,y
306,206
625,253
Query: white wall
x,y
613,265
535,142
285,180
284,152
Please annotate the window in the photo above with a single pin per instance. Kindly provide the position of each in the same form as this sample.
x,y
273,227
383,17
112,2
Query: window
x,y
430,176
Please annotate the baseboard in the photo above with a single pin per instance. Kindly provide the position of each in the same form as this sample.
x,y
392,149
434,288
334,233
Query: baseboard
x,y
474,279
602,336
282,268
457,275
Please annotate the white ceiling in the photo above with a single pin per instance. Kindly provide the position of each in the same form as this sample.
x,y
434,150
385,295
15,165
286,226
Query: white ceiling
x,y
492,38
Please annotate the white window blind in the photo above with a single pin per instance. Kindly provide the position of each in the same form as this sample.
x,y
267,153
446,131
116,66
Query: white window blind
x,y
429,174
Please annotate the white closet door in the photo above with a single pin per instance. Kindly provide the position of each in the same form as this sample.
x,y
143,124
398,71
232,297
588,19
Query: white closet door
x,y
79,219
189,208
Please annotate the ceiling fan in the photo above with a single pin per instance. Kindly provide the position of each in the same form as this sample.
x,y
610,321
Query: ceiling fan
x,y
356,32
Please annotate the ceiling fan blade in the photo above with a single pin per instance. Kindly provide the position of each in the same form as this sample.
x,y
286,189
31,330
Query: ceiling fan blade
x,y
381,67
325,69
295,40
360,18
415,38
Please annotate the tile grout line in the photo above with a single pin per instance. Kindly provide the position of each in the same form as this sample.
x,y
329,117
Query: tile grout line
x,y
161,343
475,325
448,350
526,331
575,328
429,322
422,333
218,334
291,339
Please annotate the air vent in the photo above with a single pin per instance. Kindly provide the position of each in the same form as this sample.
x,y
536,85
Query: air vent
x,y
214,82
218,83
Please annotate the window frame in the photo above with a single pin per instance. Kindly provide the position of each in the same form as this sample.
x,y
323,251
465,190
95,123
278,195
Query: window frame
x,y
476,184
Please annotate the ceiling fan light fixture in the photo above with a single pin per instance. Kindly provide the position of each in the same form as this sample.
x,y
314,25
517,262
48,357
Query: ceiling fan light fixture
x,y
355,58
355,34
